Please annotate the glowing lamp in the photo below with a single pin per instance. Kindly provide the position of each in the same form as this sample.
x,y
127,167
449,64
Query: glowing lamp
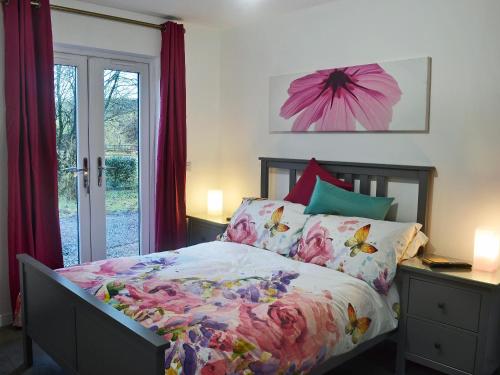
x,y
214,202
486,250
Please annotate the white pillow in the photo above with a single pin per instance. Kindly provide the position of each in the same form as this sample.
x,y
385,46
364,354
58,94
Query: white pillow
x,y
416,243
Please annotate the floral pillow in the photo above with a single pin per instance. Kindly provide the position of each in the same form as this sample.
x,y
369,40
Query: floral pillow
x,y
267,224
364,248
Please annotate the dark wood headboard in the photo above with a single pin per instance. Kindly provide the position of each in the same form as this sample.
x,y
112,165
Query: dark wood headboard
x,y
364,173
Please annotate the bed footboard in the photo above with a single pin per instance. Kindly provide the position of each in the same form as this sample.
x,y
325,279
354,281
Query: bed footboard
x,y
82,334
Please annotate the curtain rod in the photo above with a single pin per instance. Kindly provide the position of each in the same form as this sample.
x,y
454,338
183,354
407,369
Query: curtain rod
x,y
82,12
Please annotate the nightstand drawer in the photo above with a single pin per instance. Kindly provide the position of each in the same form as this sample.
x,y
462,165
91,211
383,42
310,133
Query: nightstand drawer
x,y
447,346
200,231
448,305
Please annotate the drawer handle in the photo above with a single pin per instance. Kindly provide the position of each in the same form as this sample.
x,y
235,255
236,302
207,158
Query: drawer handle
x,y
437,346
441,305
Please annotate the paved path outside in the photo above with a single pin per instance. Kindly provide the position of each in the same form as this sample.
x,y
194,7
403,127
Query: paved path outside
x,y
122,235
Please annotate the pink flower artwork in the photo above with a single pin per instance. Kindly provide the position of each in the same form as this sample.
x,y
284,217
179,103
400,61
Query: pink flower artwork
x,y
317,247
165,294
243,231
334,99
297,326
347,225
266,209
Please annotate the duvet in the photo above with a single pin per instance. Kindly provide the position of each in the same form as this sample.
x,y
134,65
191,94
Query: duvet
x,y
230,308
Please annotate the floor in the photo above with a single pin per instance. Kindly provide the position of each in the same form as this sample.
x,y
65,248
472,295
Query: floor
x,y
377,361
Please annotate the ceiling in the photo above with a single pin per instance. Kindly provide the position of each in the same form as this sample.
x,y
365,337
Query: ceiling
x,y
220,13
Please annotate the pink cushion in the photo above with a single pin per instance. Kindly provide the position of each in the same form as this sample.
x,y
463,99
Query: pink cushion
x,y
301,192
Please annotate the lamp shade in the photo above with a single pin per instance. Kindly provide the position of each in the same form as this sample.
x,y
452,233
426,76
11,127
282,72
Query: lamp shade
x,y
214,202
486,250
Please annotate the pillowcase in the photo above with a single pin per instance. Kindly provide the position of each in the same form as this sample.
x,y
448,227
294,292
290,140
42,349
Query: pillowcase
x,y
329,199
416,243
363,248
301,192
267,224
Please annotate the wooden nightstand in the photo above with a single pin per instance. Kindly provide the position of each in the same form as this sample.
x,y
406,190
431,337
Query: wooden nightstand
x,y
204,228
450,320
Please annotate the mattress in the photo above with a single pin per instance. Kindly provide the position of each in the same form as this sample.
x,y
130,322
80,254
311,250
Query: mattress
x,y
233,308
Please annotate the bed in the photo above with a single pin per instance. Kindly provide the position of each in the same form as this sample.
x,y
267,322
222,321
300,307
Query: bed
x,y
213,308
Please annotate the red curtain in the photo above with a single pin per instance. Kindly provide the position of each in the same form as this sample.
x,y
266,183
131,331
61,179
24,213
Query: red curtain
x,y
170,224
33,218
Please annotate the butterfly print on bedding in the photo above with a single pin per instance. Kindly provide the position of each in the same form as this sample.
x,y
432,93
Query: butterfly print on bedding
x,y
274,225
356,327
358,243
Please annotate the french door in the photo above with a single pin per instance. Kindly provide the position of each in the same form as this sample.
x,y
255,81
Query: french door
x,y
102,116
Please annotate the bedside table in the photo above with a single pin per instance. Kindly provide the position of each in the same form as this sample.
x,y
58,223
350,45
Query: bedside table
x,y
450,319
204,228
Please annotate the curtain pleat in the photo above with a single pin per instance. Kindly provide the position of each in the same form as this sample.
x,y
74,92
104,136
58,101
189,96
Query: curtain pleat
x,y
33,217
170,211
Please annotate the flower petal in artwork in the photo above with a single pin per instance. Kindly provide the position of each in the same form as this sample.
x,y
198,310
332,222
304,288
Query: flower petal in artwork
x,y
317,247
347,225
381,284
298,326
189,365
215,368
334,99
165,294
243,231
221,341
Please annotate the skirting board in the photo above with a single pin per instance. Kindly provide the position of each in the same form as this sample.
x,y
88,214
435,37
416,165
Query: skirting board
x,y
5,319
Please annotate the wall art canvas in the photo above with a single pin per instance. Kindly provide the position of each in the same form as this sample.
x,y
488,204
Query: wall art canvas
x,y
380,97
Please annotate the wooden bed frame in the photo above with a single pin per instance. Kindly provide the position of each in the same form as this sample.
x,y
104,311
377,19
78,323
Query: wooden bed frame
x,y
88,337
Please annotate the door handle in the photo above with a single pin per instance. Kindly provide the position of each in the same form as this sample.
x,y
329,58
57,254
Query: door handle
x,y
100,169
84,170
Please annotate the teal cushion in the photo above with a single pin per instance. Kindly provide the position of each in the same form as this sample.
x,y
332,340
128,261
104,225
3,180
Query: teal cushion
x,y
329,199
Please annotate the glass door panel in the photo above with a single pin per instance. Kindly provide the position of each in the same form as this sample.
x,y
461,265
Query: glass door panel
x,y
121,147
70,82
66,140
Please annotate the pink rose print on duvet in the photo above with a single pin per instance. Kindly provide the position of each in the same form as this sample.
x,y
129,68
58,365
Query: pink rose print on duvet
x,y
243,231
333,99
263,324
317,247
297,326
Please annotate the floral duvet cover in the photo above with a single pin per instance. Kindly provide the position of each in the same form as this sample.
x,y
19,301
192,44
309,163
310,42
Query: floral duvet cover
x,y
229,308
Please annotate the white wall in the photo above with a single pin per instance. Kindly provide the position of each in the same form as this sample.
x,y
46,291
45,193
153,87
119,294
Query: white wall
x,y
461,36
203,81
203,120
